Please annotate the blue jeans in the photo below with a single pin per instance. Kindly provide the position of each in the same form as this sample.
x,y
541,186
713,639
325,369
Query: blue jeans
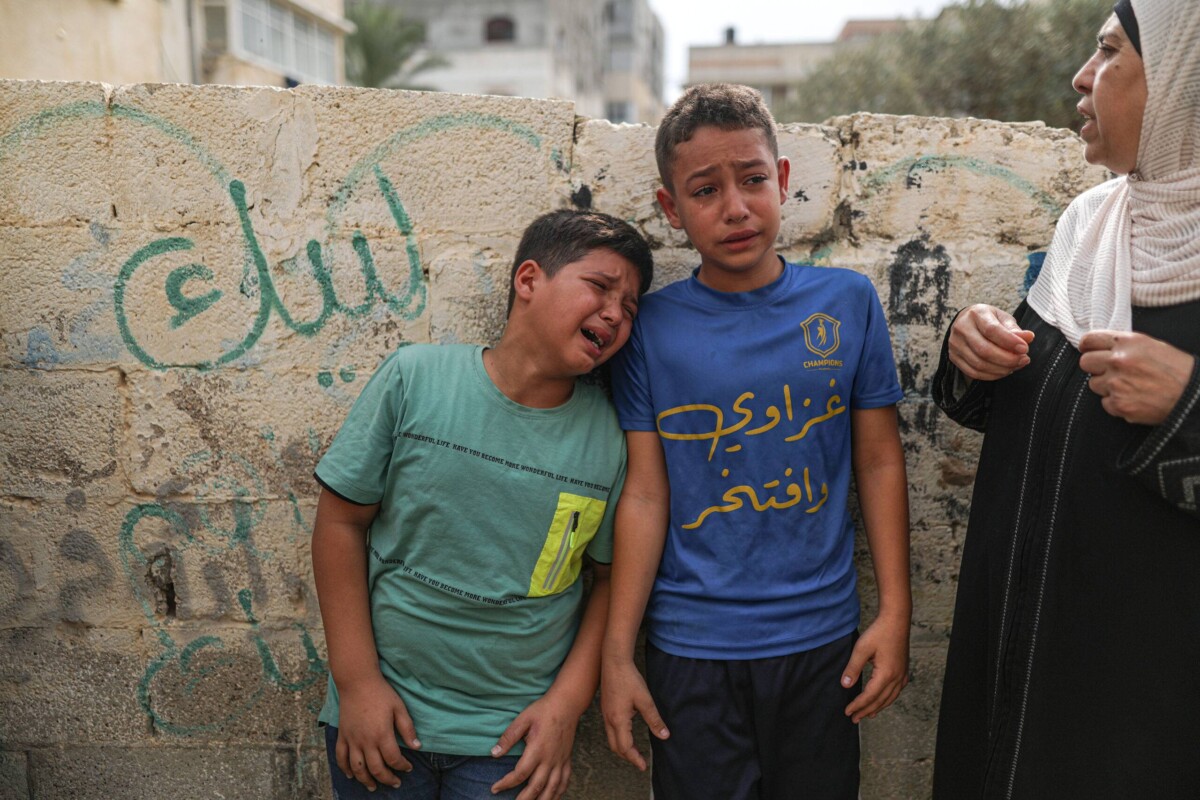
x,y
435,776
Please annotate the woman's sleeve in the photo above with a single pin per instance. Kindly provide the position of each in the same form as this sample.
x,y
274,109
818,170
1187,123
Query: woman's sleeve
x,y
1167,460
963,400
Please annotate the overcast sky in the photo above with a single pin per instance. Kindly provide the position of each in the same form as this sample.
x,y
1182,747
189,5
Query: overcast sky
x,y
688,22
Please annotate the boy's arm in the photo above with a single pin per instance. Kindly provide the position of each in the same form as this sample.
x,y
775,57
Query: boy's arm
x,y
548,724
370,711
879,474
640,533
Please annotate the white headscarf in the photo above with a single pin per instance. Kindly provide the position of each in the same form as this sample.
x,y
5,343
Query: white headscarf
x,y
1136,240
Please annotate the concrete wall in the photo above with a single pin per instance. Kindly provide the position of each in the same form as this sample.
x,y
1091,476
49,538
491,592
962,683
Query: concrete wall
x,y
195,283
120,42
142,41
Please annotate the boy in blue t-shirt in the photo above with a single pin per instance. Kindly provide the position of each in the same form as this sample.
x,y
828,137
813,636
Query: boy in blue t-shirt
x,y
458,500
748,392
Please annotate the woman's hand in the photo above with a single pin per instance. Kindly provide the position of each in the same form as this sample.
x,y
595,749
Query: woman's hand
x,y
1139,378
986,343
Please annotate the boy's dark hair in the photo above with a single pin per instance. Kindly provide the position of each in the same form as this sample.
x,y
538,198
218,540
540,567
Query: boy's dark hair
x,y
728,106
559,238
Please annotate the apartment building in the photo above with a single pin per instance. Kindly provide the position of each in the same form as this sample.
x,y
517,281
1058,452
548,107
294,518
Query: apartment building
x,y
248,42
605,55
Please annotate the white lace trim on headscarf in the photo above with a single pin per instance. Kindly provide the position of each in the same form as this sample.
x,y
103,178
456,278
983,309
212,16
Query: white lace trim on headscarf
x,y
1136,240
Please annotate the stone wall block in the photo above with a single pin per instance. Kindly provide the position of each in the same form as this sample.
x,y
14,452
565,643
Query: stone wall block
x,y
246,683
152,773
945,177
235,434
936,554
311,770
1000,277
56,310
614,171
191,298
456,163
233,562
447,163
55,154
940,457
896,779
377,294
71,684
913,280
809,213
61,562
328,327
14,775
469,281
62,432
179,163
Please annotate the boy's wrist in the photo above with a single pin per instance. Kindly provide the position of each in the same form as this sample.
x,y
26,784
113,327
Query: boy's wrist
x,y
616,654
361,676
897,611
574,702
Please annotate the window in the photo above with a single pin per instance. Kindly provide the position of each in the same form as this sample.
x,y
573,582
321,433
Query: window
x,y
619,112
500,29
215,29
326,50
254,26
278,19
307,62
293,43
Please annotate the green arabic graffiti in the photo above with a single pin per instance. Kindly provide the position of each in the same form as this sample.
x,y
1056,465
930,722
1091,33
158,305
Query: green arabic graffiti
x,y
410,305
201,659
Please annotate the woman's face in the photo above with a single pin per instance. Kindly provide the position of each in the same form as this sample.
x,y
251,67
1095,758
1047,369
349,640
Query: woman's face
x,y
1113,85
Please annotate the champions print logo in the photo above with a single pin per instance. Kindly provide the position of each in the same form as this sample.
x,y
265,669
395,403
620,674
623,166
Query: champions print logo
x,y
821,337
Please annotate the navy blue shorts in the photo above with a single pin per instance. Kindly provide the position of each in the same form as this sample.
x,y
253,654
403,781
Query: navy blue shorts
x,y
759,729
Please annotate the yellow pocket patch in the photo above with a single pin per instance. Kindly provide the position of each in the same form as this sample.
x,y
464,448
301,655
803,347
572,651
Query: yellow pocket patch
x,y
575,523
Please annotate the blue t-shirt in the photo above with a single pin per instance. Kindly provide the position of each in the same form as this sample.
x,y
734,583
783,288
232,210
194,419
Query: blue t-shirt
x,y
750,393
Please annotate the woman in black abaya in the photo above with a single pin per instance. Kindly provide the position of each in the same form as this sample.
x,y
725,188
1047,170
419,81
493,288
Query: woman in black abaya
x,y
1071,671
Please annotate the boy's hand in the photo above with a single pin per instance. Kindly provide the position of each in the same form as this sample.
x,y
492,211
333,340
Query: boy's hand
x,y
548,728
368,718
986,343
885,645
624,695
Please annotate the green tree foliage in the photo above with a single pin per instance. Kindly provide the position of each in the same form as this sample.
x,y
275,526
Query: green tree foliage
x,y
385,50
1006,61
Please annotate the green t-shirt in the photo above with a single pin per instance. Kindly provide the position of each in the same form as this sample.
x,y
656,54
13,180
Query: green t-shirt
x,y
486,509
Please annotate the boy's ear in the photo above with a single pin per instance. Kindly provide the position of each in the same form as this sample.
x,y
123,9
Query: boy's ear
x,y
784,168
526,278
667,201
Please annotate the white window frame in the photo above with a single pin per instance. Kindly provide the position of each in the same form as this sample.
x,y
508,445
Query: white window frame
x,y
321,35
